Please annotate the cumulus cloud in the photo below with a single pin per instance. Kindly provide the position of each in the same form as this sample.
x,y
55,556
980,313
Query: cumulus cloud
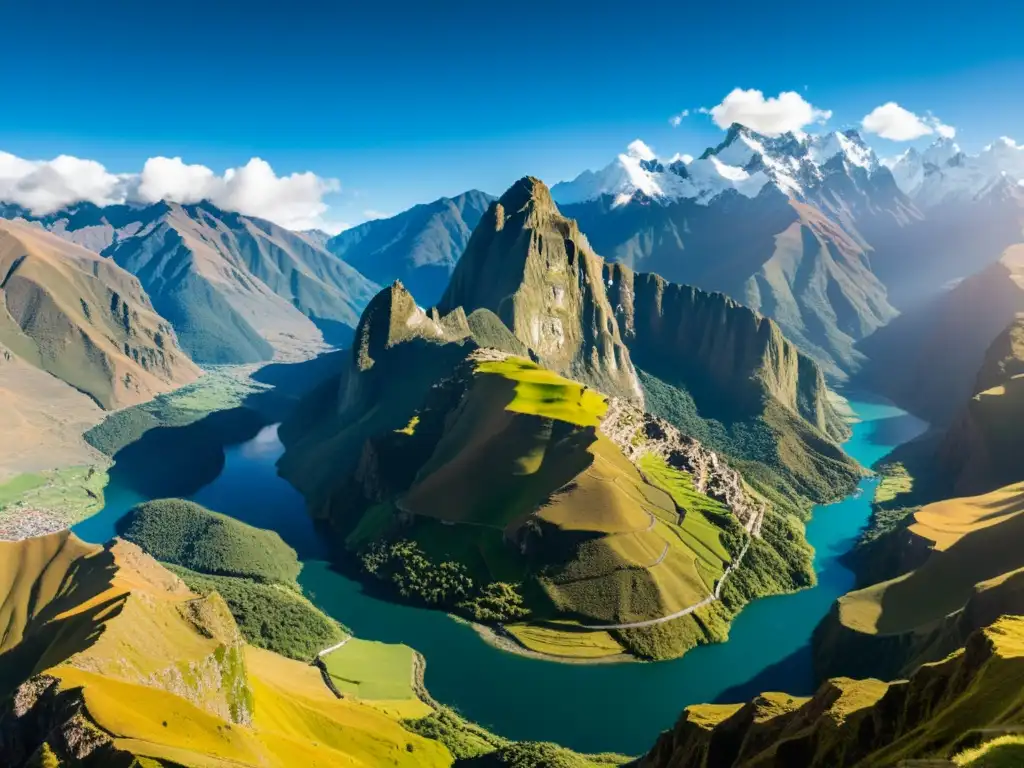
x,y
772,116
675,120
893,122
43,186
295,201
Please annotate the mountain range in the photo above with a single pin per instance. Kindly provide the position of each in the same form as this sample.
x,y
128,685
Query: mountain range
x,y
236,289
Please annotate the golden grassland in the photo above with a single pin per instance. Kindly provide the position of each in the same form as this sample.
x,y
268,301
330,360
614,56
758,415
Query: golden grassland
x,y
543,393
975,542
167,675
566,639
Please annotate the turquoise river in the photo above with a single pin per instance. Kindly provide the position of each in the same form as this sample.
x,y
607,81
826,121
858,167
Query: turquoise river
x,y
591,708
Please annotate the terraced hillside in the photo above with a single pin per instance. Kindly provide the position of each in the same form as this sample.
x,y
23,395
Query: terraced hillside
x,y
112,660
962,711
84,320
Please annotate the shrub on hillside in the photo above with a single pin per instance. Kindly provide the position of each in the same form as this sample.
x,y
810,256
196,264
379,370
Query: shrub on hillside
x,y
187,534
270,616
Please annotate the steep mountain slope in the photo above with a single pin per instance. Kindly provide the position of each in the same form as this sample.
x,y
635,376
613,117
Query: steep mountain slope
x,y
966,573
981,449
927,360
236,288
108,659
798,256
535,270
970,699
419,246
469,477
84,320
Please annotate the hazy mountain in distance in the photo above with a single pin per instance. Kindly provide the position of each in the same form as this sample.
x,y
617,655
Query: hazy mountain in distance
x,y
419,246
236,288
926,360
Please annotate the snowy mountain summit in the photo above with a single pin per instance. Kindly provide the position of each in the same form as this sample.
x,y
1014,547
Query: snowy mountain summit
x,y
943,173
746,161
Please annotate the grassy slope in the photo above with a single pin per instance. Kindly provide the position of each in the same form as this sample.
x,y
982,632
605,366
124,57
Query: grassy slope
x,y
519,451
269,615
972,540
165,674
371,670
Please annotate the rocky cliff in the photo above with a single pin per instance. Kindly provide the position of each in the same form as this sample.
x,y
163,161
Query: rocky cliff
x,y
730,358
970,698
536,271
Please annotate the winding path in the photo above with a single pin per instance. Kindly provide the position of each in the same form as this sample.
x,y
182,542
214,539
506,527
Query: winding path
x,y
685,611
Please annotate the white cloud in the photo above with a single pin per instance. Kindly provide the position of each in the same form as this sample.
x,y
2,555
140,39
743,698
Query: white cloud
x,y
893,122
788,111
640,151
675,120
945,131
43,186
294,201
370,213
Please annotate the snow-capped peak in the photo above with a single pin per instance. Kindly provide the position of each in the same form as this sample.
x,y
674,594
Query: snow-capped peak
x,y
944,172
745,161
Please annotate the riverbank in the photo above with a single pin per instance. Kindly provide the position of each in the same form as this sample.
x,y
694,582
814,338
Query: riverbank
x,y
577,705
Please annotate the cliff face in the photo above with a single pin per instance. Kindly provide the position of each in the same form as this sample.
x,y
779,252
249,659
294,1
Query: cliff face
x,y
971,697
727,355
981,450
533,268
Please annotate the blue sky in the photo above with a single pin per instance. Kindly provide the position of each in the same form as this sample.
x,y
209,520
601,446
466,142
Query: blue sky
x,y
404,102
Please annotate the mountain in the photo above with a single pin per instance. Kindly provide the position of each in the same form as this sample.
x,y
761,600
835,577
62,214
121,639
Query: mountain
x,y
84,320
927,360
797,256
943,172
235,288
508,420
534,269
419,246
982,446
972,209
962,711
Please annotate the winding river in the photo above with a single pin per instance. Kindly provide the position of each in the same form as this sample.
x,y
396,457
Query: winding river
x,y
591,708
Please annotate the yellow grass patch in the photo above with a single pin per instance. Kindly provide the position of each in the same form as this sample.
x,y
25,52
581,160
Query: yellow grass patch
x,y
572,641
544,393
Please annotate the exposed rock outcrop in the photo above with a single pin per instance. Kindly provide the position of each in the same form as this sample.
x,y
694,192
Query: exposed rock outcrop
x,y
972,696
638,433
533,268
